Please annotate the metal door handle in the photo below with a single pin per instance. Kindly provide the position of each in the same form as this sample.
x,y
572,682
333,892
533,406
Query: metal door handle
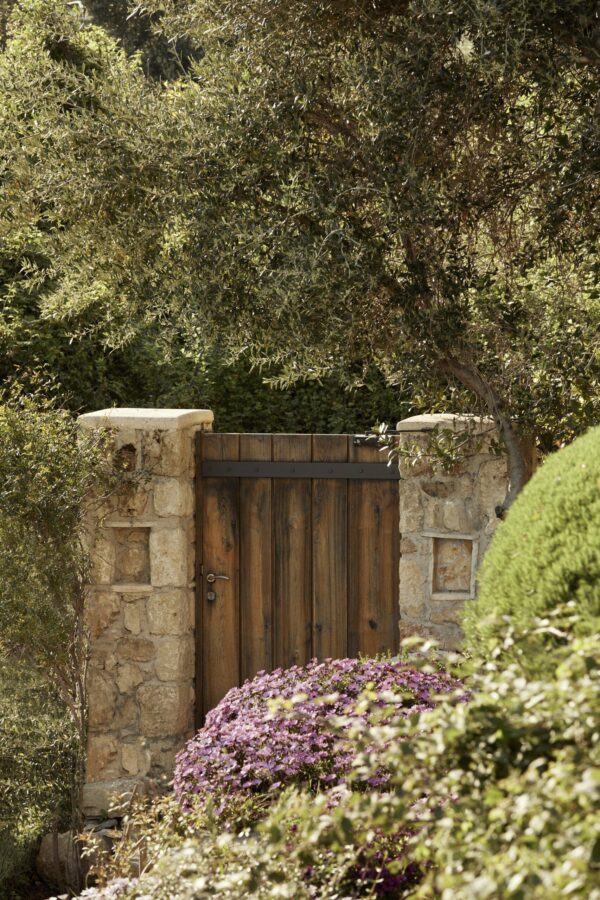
x,y
211,577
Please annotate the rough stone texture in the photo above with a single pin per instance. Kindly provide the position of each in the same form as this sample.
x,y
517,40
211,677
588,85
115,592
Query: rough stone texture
x,y
102,756
168,557
164,709
140,609
102,609
113,797
175,659
447,519
137,648
173,497
102,693
57,860
132,555
169,612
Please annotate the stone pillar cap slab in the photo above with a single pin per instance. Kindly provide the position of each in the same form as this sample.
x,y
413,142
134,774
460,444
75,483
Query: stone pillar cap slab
x,y
146,419
457,421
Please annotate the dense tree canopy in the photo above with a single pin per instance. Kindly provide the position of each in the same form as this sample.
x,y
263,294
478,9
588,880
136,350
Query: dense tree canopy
x,y
331,186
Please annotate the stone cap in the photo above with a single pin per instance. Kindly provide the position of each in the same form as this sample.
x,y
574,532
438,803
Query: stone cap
x,y
146,419
455,421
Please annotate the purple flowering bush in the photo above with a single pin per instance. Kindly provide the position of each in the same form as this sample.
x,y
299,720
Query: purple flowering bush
x,y
278,729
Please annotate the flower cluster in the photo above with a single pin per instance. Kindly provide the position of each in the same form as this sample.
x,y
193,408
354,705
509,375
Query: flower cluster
x,y
276,730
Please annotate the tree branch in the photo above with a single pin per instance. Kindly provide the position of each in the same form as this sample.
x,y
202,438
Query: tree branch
x,y
519,469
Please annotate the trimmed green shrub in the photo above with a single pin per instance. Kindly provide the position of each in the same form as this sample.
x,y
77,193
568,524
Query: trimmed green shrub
x,y
548,551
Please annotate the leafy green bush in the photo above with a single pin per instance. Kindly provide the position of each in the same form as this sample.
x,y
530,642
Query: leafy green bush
x,y
38,751
47,469
498,797
548,550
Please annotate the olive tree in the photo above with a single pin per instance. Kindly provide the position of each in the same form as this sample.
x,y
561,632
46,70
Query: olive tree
x,y
330,186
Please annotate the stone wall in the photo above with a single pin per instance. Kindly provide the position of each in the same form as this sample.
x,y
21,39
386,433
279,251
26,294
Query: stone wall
x,y
447,519
140,609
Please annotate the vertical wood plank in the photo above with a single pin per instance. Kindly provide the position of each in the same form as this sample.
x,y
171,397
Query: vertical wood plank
x,y
198,582
256,614
221,625
292,594
329,547
373,557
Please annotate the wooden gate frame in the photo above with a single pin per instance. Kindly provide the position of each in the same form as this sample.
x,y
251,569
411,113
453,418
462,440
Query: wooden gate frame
x,y
270,469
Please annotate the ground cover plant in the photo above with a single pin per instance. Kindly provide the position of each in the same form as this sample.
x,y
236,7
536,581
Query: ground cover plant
x,y
275,730
497,797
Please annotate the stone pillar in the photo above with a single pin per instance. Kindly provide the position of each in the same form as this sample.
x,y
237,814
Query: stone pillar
x,y
140,609
447,519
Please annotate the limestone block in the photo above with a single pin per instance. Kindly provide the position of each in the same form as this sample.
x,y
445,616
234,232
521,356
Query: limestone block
x,y
128,677
136,648
102,608
416,466
136,758
103,557
173,497
102,652
132,617
167,453
175,659
168,557
455,516
452,564
447,637
434,514
57,862
102,696
165,709
133,500
111,797
493,484
126,715
163,755
411,509
413,580
408,545
132,555
446,612
437,488
168,612
102,757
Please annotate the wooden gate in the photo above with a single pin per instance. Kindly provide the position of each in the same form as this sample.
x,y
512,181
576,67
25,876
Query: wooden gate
x,y
297,554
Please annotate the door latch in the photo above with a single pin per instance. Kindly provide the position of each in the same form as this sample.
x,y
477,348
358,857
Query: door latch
x,y
211,577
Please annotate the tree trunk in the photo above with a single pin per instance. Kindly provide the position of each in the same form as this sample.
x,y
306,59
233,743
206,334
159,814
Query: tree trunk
x,y
520,466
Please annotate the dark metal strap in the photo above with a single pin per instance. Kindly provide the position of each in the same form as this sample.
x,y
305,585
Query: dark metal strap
x,y
265,469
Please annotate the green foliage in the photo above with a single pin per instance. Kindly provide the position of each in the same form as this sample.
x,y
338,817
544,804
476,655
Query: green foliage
x,y
548,550
47,469
497,797
332,191
38,751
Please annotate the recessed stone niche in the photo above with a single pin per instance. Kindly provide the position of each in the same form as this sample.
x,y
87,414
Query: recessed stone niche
x,y
452,565
132,555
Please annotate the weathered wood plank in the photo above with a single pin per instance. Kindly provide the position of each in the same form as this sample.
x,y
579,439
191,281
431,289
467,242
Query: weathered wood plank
x,y
292,594
198,581
256,614
329,548
373,558
220,638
